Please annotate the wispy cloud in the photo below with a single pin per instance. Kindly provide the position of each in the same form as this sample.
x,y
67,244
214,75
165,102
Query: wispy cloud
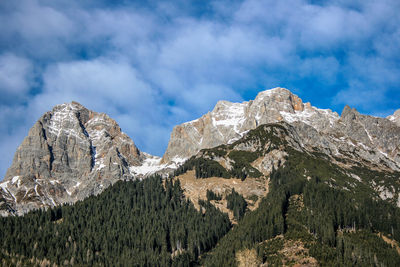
x,y
15,78
153,64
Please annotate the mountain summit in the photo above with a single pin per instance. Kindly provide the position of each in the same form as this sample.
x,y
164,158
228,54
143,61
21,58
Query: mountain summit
x,y
351,135
70,153
228,121
272,181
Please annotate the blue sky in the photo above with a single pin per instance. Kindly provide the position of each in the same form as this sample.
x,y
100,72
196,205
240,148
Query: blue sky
x,y
152,65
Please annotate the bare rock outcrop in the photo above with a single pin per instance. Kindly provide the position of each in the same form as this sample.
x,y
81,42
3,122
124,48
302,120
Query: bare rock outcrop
x,y
72,152
69,154
395,117
351,135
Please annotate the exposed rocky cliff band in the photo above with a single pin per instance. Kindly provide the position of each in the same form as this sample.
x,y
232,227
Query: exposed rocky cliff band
x,y
351,135
72,152
69,154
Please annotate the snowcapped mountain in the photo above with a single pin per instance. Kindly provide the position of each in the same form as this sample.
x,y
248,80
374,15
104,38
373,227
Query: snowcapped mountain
x,y
351,135
228,121
72,152
69,154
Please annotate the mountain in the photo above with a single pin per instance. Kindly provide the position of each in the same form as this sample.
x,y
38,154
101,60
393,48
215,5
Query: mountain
x,y
312,210
72,152
69,154
352,136
287,206
272,181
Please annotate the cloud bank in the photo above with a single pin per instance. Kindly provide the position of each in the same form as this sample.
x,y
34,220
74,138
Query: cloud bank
x,y
151,65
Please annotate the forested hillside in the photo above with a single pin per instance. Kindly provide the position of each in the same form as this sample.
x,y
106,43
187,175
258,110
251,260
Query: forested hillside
x,y
338,227
315,213
130,224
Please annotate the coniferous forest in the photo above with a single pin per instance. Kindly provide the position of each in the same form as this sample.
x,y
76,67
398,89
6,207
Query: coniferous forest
x,y
151,223
130,224
338,227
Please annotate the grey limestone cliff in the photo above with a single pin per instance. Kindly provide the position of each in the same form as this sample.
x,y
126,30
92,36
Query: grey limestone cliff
x,y
395,117
72,152
351,135
69,154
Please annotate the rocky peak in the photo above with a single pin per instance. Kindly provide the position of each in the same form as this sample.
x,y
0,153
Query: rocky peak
x,y
349,113
395,117
351,135
282,97
70,153
228,121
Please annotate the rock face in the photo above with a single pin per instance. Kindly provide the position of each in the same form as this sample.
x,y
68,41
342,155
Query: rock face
x,y
351,135
395,117
69,154
72,152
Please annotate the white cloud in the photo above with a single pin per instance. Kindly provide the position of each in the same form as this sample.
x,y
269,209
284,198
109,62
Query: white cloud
x,y
202,98
96,81
150,68
360,95
15,77
324,69
109,86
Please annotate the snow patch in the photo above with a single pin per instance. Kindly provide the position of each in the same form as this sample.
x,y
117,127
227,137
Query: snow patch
x,y
191,122
15,199
383,153
227,114
297,116
308,116
150,165
53,182
62,116
98,120
14,179
36,190
96,135
356,177
52,200
393,119
4,185
101,166
369,136
178,160
73,188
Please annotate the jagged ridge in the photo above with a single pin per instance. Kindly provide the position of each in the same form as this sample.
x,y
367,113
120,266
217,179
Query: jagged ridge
x,y
69,154
351,135
72,152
